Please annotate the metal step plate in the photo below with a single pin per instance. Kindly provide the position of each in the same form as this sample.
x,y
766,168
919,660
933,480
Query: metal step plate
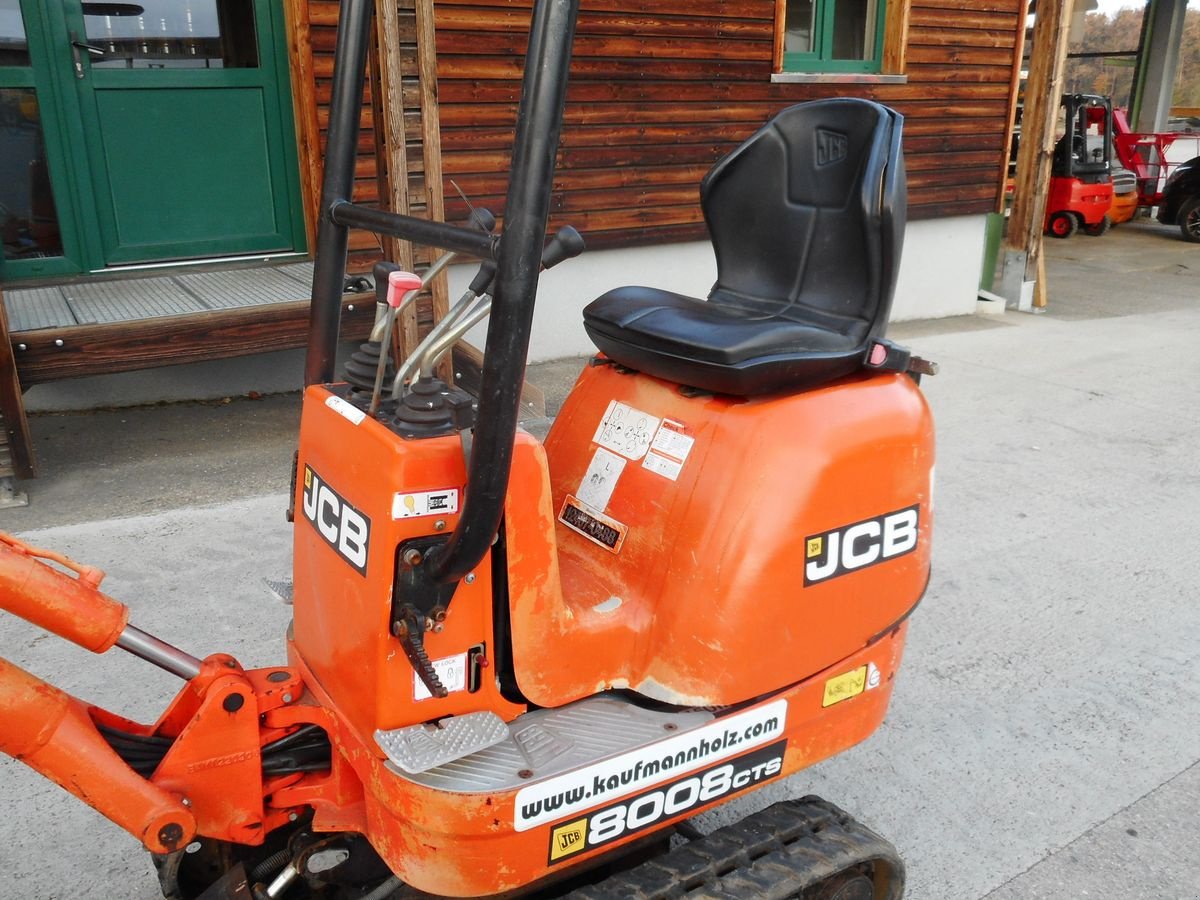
x,y
418,748
546,742
282,588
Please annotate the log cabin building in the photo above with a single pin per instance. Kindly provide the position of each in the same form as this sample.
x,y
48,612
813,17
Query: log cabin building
x,y
140,139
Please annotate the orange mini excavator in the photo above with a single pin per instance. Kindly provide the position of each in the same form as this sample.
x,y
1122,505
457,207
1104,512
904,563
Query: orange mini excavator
x,y
520,669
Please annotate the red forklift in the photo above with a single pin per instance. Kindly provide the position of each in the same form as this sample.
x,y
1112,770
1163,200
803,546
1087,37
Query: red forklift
x,y
1081,190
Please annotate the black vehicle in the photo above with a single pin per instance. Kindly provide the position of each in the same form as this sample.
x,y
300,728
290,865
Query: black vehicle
x,y
1181,200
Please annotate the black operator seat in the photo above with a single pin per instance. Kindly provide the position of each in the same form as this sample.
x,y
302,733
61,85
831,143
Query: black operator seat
x,y
807,221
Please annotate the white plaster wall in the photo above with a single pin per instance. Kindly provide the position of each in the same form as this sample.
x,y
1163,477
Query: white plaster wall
x,y
939,271
939,276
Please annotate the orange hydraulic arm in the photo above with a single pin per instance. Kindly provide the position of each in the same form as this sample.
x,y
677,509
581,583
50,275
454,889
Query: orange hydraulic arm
x,y
51,732
209,777
72,608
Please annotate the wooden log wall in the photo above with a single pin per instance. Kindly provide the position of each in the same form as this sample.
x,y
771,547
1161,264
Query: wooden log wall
x,y
661,89
312,27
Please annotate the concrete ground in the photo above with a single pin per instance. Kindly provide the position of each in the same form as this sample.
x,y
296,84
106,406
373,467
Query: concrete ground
x,y
1043,737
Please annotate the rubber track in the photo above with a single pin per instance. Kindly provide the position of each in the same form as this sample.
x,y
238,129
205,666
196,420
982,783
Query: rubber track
x,y
774,854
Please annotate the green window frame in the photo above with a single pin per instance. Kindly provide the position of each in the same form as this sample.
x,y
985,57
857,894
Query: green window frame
x,y
827,36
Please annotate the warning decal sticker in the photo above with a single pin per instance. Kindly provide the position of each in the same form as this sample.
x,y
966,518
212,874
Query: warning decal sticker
x,y
425,503
345,410
600,478
626,430
452,672
669,450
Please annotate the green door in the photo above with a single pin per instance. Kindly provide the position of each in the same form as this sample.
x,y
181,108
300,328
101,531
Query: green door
x,y
172,128
32,230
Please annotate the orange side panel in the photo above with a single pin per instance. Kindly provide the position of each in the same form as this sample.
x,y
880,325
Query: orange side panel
x,y
702,595
467,844
354,477
52,733
72,608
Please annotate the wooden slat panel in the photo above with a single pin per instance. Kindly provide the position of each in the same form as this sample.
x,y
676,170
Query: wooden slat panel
x,y
737,9
129,346
661,90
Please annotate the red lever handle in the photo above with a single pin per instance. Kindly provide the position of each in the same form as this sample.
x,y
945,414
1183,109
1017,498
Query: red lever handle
x,y
399,284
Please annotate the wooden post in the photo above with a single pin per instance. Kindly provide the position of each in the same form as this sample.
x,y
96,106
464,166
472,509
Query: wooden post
x,y
391,152
304,100
399,23
1040,289
431,142
1043,94
1014,93
12,410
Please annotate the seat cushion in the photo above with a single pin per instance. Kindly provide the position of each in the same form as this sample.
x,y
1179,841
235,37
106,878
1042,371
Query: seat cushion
x,y
716,348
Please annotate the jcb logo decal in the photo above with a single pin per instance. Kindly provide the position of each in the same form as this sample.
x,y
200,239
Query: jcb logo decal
x,y
854,547
342,526
831,147
568,839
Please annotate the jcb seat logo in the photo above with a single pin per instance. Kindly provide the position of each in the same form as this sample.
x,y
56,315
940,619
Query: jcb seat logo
x,y
832,147
342,526
854,547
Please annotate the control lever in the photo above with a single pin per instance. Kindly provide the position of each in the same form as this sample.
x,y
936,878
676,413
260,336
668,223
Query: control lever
x,y
474,305
410,629
400,285
567,243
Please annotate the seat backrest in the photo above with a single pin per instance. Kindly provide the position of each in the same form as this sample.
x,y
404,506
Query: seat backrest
x,y
807,217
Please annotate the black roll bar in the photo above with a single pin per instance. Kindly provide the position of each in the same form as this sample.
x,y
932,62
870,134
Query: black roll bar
x,y
517,254
329,270
420,231
539,121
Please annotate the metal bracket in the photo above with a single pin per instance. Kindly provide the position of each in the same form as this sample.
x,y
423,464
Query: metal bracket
x,y
419,604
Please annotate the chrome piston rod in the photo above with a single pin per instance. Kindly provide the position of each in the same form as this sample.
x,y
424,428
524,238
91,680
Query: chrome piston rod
x,y
160,653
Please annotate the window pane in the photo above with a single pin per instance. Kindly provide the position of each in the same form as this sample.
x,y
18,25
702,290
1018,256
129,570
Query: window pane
x,y
168,34
28,219
1110,41
854,26
799,25
14,51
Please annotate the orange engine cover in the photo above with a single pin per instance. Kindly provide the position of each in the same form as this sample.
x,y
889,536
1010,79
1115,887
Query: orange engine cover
x,y
713,549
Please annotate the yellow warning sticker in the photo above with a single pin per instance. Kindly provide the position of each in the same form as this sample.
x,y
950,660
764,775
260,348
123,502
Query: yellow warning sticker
x,y
816,545
843,687
568,839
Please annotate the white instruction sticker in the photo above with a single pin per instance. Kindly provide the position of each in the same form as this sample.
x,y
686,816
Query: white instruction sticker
x,y
425,503
345,410
669,450
600,478
626,430
452,671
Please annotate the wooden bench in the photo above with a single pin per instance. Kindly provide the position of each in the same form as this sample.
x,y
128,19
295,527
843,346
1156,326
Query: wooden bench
x,y
105,327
